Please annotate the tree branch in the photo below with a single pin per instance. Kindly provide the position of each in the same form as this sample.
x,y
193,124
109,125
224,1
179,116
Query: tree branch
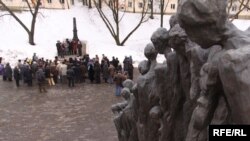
x,y
241,8
15,17
30,9
143,15
5,15
105,20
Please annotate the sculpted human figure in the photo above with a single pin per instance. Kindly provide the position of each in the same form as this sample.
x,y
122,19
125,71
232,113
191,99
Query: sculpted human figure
x,y
177,81
125,121
147,127
215,29
224,82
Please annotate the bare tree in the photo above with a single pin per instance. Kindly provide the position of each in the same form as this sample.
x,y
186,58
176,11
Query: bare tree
x,y
114,29
33,9
163,9
235,7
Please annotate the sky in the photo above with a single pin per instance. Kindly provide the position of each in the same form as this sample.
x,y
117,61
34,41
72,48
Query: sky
x,y
53,25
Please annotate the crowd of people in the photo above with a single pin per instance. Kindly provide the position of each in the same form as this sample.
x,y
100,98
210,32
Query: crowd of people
x,y
69,47
46,72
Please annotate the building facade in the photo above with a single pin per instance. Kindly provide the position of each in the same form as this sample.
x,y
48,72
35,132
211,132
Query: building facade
x,y
234,6
170,6
50,4
136,6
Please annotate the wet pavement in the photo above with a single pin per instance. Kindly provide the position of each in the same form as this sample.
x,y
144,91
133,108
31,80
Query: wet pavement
x,y
62,114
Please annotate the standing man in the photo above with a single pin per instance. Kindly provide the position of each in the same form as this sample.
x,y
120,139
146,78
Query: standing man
x,y
17,75
79,48
40,76
58,47
70,76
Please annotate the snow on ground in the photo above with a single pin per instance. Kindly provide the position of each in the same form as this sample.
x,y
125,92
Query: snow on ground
x,y
53,25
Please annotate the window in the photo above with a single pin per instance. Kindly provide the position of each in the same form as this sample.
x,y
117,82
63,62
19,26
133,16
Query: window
x,y
149,6
129,4
172,6
234,8
61,1
49,1
140,4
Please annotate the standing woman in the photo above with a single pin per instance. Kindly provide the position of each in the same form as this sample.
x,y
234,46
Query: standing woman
x,y
8,72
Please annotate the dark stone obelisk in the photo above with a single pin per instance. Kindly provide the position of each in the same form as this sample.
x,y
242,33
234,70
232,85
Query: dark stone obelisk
x,y
75,37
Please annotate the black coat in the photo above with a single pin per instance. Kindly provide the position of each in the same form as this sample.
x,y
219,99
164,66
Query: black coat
x,y
70,73
17,74
8,71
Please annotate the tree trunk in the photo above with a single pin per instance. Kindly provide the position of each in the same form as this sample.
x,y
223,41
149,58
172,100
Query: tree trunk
x,y
90,5
117,41
161,20
32,30
152,10
133,6
31,38
162,12
100,4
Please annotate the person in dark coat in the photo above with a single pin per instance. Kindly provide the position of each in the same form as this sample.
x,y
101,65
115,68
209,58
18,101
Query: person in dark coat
x,y
70,76
97,70
41,79
105,72
70,47
83,71
77,71
8,72
130,71
48,76
54,72
79,48
91,71
28,76
59,48
17,75
1,69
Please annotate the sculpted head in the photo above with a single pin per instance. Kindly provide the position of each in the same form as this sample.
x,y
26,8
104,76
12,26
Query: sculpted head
x,y
203,20
150,52
143,67
125,93
160,40
128,83
177,38
173,20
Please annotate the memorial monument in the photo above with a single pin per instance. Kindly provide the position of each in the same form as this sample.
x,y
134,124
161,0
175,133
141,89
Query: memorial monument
x,y
204,80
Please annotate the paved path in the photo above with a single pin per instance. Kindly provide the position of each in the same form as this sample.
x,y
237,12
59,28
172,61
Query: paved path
x,y
62,114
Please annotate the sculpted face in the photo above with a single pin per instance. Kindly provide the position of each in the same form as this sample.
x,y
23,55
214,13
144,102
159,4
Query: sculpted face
x,y
177,38
160,40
